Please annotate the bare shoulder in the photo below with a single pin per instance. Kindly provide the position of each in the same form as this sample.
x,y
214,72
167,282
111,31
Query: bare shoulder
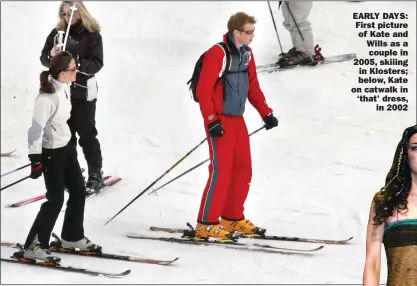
x,y
377,199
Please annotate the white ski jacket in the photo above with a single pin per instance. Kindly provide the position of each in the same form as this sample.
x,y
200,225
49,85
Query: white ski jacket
x,y
49,128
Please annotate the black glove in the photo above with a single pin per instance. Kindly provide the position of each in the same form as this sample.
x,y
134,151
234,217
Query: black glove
x,y
270,121
216,129
72,47
36,165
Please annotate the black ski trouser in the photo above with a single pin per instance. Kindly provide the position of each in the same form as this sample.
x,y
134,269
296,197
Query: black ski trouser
x,y
83,122
60,169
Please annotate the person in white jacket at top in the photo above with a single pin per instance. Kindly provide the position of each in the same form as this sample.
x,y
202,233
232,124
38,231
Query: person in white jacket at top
x,y
52,155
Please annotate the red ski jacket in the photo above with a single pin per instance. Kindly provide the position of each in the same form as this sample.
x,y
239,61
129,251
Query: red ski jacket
x,y
240,86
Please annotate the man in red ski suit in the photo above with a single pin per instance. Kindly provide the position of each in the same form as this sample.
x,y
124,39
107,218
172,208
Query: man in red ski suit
x,y
222,107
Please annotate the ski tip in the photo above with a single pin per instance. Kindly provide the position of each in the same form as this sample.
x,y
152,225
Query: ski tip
x,y
349,239
5,154
344,241
168,262
312,249
111,180
126,272
109,275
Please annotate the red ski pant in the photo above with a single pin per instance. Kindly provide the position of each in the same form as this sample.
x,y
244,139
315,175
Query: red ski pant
x,y
230,173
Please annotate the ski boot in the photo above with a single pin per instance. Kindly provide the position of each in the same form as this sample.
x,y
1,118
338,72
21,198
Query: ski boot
x,y
205,231
298,58
95,181
284,56
244,227
84,245
36,251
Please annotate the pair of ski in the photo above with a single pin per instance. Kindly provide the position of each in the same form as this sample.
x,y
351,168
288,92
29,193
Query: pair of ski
x,y
187,238
269,68
30,200
108,182
55,247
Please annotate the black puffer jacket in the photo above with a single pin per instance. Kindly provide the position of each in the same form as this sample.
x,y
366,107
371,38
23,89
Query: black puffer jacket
x,y
87,49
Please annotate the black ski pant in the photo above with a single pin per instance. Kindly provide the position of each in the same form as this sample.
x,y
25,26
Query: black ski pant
x,y
82,121
60,169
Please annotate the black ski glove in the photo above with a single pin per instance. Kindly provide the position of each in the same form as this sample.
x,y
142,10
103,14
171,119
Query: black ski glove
x,y
216,128
270,121
36,165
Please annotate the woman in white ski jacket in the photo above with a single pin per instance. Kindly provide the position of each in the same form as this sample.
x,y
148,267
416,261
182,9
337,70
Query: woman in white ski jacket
x,y
52,155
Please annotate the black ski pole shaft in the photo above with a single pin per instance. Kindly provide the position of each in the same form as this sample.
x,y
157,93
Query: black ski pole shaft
x,y
163,175
275,27
14,183
195,167
179,176
12,171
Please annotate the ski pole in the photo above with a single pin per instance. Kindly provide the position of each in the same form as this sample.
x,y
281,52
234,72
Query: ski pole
x,y
295,22
275,26
166,172
195,167
73,8
12,171
14,183
179,176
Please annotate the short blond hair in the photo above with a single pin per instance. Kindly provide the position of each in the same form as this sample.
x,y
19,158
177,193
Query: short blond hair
x,y
238,20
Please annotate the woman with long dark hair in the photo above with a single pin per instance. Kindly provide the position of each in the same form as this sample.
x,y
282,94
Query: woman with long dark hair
x,y
52,155
393,219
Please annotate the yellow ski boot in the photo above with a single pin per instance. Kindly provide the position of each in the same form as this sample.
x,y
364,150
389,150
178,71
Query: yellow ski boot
x,y
217,231
243,226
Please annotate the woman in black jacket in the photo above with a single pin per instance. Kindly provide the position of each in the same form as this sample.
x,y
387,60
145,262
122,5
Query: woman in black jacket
x,y
84,42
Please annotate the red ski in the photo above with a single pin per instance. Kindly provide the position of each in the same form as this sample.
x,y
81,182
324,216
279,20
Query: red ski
x,y
25,202
108,181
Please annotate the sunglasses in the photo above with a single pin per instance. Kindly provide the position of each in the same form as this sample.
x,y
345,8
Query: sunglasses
x,y
248,32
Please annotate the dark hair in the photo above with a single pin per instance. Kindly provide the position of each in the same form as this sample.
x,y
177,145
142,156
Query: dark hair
x,y
393,196
58,64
